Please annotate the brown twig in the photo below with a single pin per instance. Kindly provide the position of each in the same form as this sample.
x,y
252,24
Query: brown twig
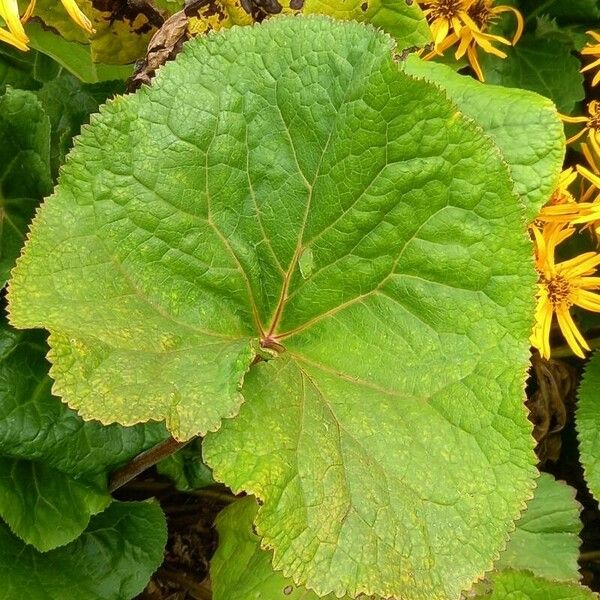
x,y
144,461
593,556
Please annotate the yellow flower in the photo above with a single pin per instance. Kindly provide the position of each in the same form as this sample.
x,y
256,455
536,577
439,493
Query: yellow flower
x,y
464,22
592,123
77,15
564,208
593,50
591,151
16,36
561,286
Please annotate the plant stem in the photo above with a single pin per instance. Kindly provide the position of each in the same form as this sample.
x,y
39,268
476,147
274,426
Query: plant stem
x,y
593,556
144,461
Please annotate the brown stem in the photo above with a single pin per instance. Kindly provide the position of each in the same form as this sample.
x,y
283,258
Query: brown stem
x,y
593,556
144,461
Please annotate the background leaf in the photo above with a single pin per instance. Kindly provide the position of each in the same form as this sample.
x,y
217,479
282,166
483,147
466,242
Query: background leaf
x,y
53,465
543,66
75,57
587,418
112,560
521,585
404,21
522,124
186,468
546,541
573,11
239,568
68,104
24,169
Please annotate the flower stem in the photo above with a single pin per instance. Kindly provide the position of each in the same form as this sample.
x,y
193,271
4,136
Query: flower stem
x,y
144,461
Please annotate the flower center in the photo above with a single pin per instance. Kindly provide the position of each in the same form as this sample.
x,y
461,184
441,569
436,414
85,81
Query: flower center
x,y
558,289
445,9
561,196
480,11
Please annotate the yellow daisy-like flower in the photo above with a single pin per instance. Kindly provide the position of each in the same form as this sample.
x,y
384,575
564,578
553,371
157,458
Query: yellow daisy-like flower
x,y
464,22
16,36
562,207
593,50
561,286
592,123
591,151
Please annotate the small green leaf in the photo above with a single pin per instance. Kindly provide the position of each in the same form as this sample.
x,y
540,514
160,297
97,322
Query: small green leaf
x,y
404,21
522,585
74,56
522,124
112,560
16,69
544,66
546,541
43,506
186,468
53,466
587,418
240,570
24,170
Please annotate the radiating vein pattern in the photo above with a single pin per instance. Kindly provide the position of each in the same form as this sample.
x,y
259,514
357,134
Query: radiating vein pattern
x,y
288,185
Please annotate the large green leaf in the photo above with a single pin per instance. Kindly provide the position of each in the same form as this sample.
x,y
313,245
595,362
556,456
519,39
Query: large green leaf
x,y
546,541
522,585
239,569
24,169
53,466
547,67
112,560
588,424
312,195
522,124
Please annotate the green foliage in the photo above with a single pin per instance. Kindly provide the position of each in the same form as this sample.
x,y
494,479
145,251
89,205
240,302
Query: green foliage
x,y
240,569
75,57
24,169
53,465
541,65
402,20
546,541
522,124
186,468
112,560
68,104
420,268
573,11
522,585
588,424
16,69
